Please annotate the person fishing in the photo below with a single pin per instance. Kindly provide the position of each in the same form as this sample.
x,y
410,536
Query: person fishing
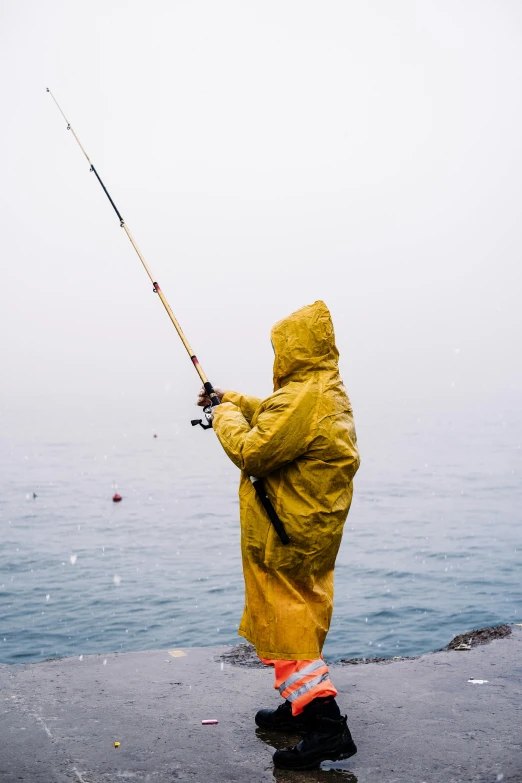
x,y
301,441
297,451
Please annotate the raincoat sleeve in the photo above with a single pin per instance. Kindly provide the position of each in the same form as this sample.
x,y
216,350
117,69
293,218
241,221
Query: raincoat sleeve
x,y
247,405
281,434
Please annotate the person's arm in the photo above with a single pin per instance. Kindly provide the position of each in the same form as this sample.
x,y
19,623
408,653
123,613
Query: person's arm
x,y
282,432
247,404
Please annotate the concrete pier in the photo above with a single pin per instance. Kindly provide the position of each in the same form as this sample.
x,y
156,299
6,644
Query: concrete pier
x,y
414,720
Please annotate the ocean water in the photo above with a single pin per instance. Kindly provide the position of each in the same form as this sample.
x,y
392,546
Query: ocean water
x,y
432,546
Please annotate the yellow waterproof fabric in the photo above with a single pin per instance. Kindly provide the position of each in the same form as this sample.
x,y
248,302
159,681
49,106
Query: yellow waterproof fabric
x,y
302,440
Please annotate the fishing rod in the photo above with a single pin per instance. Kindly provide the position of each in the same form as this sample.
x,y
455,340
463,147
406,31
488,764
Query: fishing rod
x,y
211,393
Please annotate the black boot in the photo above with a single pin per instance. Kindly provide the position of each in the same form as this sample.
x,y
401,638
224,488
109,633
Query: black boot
x,y
329,739
282,719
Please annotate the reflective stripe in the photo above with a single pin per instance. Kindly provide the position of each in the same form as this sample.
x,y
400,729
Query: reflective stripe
x,y
308,686
312,667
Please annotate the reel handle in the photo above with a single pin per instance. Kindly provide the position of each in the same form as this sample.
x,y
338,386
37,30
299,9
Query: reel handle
x,y
207,410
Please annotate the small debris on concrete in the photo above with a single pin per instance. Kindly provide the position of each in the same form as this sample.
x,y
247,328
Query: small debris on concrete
x,y
116,744
477,682
209,722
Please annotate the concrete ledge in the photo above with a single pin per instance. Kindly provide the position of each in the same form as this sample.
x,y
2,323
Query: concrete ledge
x,y
416,720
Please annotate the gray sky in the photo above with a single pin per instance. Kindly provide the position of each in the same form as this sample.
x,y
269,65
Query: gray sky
x,y
264,154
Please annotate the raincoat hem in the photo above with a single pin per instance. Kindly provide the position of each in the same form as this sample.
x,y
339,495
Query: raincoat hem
x,y
302,655
306,655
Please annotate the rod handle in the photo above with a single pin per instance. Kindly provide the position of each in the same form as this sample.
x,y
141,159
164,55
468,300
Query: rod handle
x,y
211,394
270,510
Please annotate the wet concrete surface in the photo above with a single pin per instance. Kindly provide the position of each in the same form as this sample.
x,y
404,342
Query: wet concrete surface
x,y
414,720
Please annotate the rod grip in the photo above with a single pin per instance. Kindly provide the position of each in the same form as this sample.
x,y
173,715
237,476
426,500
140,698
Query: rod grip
x,y
270,510
211,394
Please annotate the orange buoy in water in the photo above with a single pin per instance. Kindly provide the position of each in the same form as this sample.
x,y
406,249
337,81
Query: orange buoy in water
x,y
116,498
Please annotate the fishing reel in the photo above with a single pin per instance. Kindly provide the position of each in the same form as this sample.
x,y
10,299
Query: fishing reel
x,y
207,410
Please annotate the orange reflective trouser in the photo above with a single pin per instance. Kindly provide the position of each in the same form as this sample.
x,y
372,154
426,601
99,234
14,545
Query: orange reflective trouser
x,y
300,682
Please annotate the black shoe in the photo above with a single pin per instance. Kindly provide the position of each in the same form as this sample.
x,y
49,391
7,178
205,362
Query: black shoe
x,y
282,719
329,740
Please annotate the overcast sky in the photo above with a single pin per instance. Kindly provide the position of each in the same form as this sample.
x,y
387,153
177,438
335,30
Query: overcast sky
x,y
264,155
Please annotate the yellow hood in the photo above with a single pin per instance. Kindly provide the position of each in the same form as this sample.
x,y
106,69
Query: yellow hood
x,y
304,342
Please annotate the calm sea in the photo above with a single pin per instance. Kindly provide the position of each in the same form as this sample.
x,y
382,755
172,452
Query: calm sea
x,y
432,546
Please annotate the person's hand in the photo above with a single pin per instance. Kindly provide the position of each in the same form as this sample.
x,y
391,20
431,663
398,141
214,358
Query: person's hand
x,y
204,400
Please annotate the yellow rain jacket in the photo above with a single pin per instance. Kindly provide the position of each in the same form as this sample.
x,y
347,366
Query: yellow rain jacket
x,y
302,441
